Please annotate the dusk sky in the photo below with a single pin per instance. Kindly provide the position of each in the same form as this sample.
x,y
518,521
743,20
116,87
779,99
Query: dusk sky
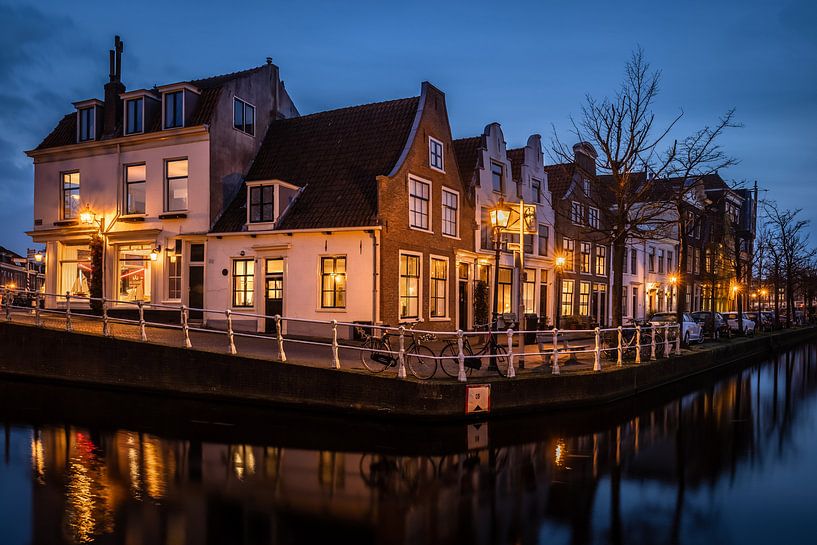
x,y
526,65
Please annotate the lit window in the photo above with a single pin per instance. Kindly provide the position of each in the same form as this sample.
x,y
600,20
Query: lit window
x,y
70,195
176,176
174,272
435,154
87,124
419,198
243,282
505,297
450,213
585,257
135,189
134,272
438,300
567,298
333,282
409,286
568,249
133,114
262,199
244,116
601,261
74,270
584,298
529,291
544,235
593,217
174,109
498,177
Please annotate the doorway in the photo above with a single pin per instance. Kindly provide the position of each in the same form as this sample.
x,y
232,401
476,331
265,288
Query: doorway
x,y
273,292
195,281
463,276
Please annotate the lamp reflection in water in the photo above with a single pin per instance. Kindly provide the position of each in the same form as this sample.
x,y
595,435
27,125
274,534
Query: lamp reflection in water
x,y
89,494
560,453
37,459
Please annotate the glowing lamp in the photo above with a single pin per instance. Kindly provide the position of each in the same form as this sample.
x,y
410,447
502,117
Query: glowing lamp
x,y
673,279
500,215
154,254
560,261
87,216
38,257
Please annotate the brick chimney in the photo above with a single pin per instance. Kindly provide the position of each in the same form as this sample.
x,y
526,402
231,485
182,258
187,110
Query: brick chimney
x,y
113,104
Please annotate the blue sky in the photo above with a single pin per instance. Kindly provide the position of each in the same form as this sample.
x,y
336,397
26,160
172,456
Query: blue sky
x,y
527,65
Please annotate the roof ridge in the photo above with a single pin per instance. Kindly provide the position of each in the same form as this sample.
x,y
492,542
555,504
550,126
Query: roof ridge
x,y
225,77
335,110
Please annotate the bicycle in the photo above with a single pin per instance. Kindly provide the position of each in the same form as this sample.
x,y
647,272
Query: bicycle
x,y
376,353
450,361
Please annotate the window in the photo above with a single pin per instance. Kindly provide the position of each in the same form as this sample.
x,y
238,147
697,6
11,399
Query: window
x,y
419,200
567,298
536,186
601,261
438,277
651,260
690,256
135,189
134,272
409,286
87,124
669,262
568,249
450,213
624,291
435,154
70,195
584,265
176,176
262,199
635,301
243,282
174,109
333,282
244,116
544,235
634,261
498,177
505,290
697,260
661,261
174,272
74,270
486,231
529,291
576,212
133,114
593,217
586,187
624,261
584,298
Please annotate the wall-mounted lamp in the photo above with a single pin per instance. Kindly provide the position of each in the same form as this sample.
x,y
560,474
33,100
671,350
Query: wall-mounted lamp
x,y
154,254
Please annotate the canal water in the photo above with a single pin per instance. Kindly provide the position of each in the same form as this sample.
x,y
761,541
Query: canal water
x,y
723,459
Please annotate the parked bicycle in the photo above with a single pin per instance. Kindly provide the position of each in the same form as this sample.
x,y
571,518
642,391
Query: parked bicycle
x,y
450,361
377,353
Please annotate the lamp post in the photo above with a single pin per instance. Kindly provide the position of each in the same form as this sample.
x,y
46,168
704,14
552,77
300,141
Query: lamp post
x,y
673,281
500,215
560,263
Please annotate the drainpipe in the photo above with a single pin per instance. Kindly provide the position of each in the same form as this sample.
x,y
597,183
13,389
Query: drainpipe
x,y
375,278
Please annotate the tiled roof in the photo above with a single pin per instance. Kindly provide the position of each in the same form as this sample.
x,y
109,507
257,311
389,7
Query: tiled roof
x,y
516,157
560,177
334,157
466,151
65,133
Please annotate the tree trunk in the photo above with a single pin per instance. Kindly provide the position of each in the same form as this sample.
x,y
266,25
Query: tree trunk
x,y
618,280
776,296
738,276
683,259
789,295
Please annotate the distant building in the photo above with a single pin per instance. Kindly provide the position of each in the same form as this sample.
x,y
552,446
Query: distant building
x,y
18,272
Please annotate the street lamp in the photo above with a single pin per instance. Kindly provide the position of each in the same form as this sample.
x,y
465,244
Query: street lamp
x,y
500,215
673,281
560,263
88,217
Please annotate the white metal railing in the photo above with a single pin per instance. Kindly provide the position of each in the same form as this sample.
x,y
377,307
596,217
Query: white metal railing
x,y
616,344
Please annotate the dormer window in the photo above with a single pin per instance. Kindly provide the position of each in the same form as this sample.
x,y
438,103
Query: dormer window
x,y
174,110
87,124
435,154
262,203
586,187
244,116
134,109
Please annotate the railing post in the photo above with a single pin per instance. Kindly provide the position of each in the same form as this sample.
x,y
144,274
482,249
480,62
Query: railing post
x,y
666,341
678,341
652,342
597,350
186,328
38,321
511,370
335,357
106,328
142,332
401,355
638,343
280,336
555,356
460,357
230,338
619,358
68,325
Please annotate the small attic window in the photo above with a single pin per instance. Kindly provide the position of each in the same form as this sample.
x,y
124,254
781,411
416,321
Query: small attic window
x,y
435,154
133,114
586,187
174,110
87,124
244,116
262,203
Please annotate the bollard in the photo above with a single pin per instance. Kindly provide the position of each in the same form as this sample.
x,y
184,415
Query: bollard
x,y
68,325
38,321
678,342
401,356
511,370
638,344
652,343
666,341
597,351
106,328
142,333
280,336
460,358
555,356
619,359
231,344
186,328
335,358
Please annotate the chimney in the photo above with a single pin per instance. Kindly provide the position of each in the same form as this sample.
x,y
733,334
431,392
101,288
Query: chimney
x,y
113,104
584,154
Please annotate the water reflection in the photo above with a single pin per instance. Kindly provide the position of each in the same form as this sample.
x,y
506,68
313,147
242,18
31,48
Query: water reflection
x,y
691,469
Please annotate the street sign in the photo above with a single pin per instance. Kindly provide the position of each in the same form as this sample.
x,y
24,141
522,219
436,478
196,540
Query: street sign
x,y
477,398
529,223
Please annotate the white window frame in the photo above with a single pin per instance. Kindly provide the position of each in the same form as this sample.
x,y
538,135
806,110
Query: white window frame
x,y
447,315
336,308
166,188
420,292
456,195
232,292
250,188
127,117
128,183
184,108
180,260
93,122
431,142
430,203
593,217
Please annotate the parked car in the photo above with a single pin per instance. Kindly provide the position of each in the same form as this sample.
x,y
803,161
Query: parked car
x,y
690,330
714,324
748,324
762,322
768,317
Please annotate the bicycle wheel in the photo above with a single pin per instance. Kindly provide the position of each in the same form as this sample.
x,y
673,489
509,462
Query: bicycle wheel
x,y
450,363
421,361
374,355
502,361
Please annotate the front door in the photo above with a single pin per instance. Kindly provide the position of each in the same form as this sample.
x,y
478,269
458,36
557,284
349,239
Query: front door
x,y
463,303
273,292
195,281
